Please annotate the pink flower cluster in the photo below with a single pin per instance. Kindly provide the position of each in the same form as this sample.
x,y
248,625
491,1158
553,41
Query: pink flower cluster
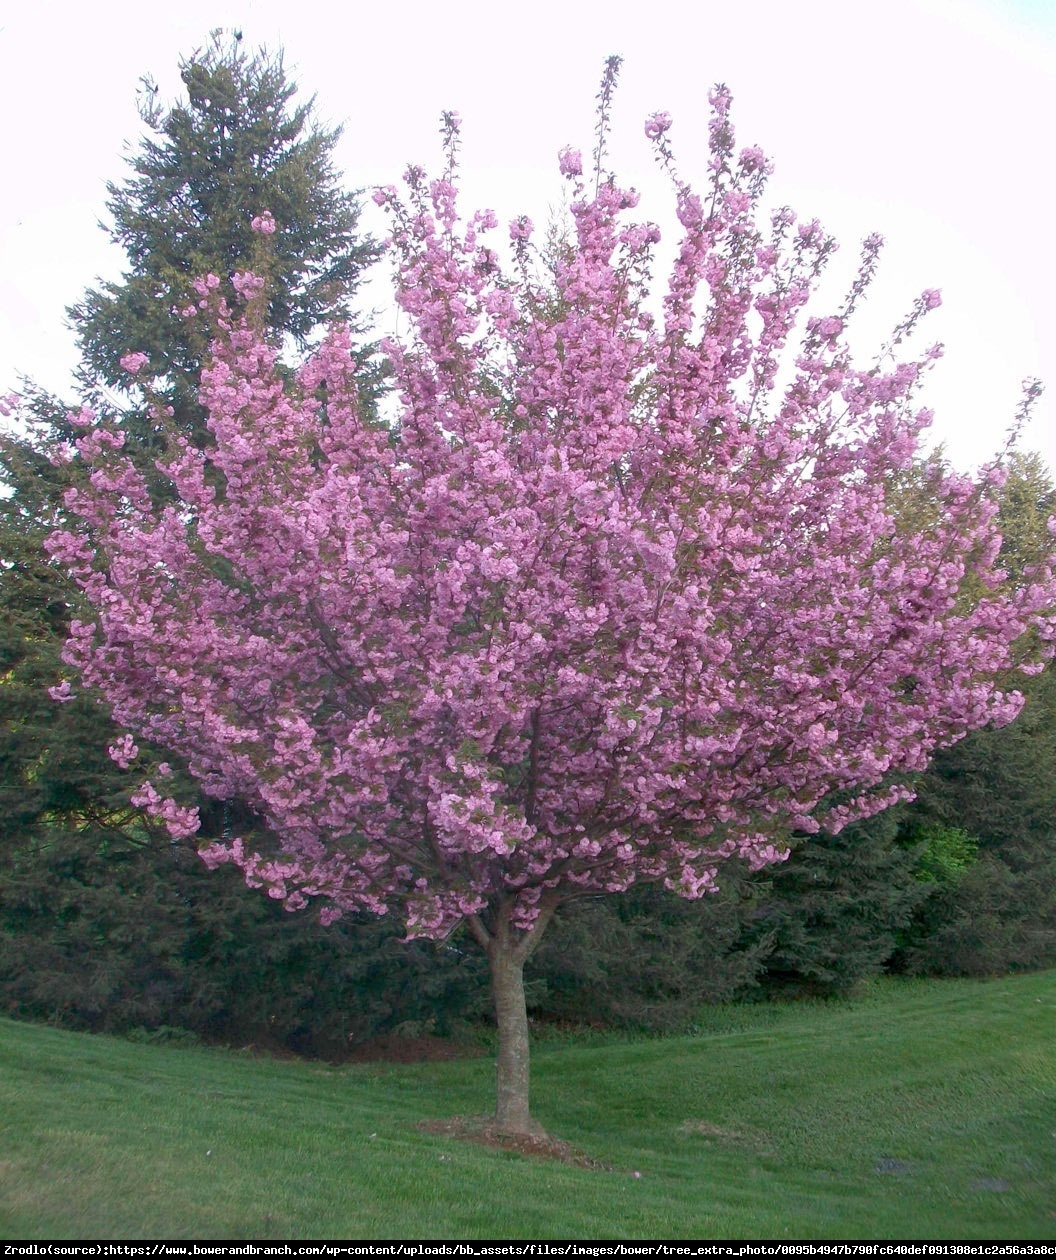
x,y
123,752
570,162
625,593
247,285
179,821
134,361
521,228
263,223
656,125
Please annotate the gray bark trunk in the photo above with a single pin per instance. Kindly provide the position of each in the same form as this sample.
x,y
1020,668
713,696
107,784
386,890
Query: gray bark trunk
x,y
508,949
512,1114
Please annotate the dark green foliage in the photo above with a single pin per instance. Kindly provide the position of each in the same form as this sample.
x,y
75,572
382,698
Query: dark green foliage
x,y
992,919
55,774
999,912
237,146
1028,500
101,934
998,787
818,924
646,958
835,908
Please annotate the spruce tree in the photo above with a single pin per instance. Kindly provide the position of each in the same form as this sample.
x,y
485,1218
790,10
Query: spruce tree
x,y
999,788
239,148
81,870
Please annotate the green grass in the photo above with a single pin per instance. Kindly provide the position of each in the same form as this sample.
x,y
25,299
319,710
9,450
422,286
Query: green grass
x,y
922,1110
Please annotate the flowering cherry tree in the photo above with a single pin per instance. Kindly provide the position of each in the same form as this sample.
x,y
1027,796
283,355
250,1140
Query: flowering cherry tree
x,y
622,593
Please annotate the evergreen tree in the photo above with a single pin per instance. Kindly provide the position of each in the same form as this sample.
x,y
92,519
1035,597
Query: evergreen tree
x,y
647,958
81,871
831,915
238,150
998,911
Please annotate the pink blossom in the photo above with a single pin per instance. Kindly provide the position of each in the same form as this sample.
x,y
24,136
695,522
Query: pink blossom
x,y
62,453
570,162
446,589
246,284
123,752
521,228
134,362
181,822
263,223
656,124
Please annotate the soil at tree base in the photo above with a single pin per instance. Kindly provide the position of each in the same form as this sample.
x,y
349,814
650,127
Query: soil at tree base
x,y
482,1131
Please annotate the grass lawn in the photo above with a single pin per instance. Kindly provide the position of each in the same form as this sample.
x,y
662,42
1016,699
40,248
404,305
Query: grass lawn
x,y
922,1110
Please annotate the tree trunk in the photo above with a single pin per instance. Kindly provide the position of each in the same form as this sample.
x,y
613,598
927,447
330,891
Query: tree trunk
x,y
508,949
506,961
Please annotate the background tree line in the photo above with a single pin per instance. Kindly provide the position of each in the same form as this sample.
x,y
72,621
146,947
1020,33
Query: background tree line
x,y
106,925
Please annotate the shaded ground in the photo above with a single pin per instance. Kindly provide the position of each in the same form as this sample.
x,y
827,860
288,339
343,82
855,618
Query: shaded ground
x,y
392,1048
388,1048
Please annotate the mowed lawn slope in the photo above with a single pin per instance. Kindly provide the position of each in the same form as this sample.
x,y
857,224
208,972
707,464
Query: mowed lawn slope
x,y
922,1110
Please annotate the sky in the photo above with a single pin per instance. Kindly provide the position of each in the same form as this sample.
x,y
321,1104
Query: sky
x,y
929,121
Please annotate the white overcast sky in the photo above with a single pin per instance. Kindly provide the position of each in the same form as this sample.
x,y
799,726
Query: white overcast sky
x,y
930,121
